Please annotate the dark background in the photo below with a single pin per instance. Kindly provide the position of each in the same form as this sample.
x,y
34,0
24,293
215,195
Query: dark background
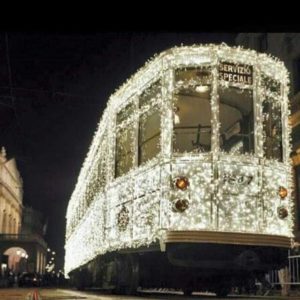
x,y
53,88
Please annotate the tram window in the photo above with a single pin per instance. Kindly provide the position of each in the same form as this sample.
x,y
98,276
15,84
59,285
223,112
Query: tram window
x,y
154,91
124,141
192,115
149,124
98,179
237,120
272,129
125,113
124,149
101,176
149,136
270,84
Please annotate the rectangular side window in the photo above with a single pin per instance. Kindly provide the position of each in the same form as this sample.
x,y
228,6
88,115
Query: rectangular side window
x,y
124,150
125,140
149,123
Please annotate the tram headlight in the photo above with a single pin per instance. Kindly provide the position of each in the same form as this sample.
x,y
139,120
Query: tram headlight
x,y
282,192
181,205
182,183
282,212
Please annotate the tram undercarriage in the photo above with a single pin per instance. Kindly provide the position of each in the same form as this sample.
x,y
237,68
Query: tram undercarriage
x,y
187,266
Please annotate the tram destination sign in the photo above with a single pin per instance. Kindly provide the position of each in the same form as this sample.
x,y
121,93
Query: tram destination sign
x,y
236,73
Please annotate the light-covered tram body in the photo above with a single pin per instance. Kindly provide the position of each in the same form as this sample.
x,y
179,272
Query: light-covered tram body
x,y
187,182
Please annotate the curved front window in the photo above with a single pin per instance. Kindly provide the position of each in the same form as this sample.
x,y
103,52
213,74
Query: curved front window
x,y
193,115
236,120
192,110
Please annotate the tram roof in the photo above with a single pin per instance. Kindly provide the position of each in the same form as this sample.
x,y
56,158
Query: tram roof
x,y
176,56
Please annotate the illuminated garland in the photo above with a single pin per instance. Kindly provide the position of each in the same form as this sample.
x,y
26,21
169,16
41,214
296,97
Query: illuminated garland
x,y
243,196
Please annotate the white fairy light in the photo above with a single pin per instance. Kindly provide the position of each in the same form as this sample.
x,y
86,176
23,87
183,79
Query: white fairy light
x,y
242,197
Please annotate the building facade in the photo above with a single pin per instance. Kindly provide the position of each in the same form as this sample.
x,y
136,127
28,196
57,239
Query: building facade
x,y
285,46
22,246
11,196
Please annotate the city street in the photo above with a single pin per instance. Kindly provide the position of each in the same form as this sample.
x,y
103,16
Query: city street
x,y
63,294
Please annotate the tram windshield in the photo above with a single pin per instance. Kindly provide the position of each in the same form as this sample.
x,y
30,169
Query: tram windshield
x,y
192,110
236,118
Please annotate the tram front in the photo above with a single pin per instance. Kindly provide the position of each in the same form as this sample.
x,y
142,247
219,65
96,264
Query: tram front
x,y
229,208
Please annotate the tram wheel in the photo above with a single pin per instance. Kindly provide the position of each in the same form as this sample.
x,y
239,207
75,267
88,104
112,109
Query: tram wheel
x,y
80,279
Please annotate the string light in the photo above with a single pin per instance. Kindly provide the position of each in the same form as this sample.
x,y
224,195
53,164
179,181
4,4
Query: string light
x,y
227,191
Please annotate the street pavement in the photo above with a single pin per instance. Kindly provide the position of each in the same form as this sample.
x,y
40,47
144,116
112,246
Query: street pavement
x,y
64,294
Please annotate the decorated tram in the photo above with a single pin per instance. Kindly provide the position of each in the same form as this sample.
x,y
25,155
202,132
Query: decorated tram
x,y
187,183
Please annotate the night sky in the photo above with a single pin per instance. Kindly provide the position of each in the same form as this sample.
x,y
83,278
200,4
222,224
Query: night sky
x,y
59,87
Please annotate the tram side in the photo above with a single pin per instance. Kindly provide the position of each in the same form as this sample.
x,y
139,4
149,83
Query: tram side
x,y
187,182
